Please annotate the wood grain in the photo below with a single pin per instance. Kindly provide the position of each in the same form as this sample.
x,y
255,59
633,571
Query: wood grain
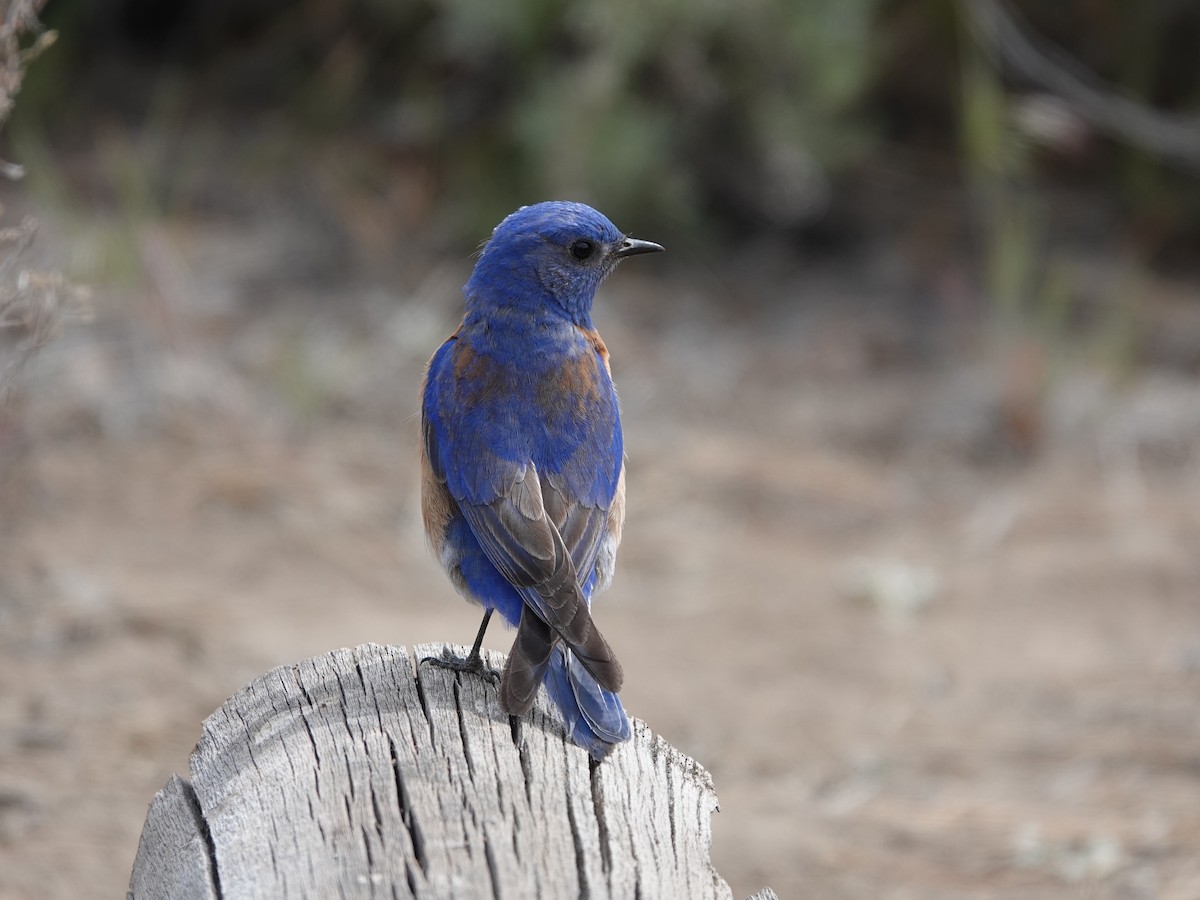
x,y
359,774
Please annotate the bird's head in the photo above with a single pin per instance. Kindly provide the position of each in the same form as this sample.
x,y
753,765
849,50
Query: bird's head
x,y
554,252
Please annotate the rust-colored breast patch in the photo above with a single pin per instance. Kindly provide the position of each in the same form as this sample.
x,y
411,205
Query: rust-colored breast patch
x,y
597,343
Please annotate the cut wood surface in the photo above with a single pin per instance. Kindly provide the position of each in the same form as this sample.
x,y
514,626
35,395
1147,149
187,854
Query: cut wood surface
x,y
363,774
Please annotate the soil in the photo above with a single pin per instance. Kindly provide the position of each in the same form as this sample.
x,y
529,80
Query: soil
x,y
935,632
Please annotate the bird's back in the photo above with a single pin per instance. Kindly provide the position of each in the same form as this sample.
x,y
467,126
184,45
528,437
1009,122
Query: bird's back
x,y
498,399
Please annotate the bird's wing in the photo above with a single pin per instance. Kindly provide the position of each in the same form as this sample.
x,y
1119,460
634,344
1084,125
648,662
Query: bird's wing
x,y
522,540
582,525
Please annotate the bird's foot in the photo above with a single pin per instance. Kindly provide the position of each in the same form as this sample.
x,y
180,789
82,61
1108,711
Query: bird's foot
x,y
473,664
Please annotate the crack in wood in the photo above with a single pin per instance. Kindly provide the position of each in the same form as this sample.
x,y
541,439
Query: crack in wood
x,y
192,801
249,738
423,700
376,812
523,756
601,820
362,679
346,705
312,739
463,729
516,847
406,813
493,869
366,841
299,686
671,819
585,889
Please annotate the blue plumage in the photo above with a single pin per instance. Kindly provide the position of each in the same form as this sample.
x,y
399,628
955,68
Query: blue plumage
x,y
523,459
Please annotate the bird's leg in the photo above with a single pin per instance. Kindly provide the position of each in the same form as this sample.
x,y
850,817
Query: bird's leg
x,y
473,658
474,661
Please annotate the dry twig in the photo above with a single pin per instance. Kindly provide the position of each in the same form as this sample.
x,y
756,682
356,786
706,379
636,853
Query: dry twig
x,y
1012,45
32,303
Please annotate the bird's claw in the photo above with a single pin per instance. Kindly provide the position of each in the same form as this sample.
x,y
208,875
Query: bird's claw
x,y
472,664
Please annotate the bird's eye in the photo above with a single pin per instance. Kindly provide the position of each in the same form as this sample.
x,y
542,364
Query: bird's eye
x,y
582,249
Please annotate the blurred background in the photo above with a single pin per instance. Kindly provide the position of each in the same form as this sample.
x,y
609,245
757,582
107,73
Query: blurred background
x,y
912,559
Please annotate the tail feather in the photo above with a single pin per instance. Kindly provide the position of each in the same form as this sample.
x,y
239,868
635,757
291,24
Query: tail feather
x,y
594,654
593,715
526,666
600,707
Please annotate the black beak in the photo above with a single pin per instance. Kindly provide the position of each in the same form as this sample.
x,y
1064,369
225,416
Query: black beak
x,y
634,247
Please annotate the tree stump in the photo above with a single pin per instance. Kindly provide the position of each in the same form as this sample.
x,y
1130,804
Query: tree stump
x,y
358,774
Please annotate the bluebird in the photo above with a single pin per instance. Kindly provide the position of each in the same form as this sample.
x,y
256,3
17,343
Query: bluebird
x,y
523,468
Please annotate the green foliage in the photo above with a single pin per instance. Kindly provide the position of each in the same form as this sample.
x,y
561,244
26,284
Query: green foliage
x,y
666,113
645,107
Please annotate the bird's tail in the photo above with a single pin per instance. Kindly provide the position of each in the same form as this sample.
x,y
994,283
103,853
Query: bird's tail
x,y
594,716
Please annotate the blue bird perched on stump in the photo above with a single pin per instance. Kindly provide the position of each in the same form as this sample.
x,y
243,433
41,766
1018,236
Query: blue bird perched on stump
x,y
523,487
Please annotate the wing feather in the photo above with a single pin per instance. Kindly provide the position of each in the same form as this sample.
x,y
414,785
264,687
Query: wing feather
x,y
523,543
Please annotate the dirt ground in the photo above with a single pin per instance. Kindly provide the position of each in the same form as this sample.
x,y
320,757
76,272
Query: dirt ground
x,y
934,634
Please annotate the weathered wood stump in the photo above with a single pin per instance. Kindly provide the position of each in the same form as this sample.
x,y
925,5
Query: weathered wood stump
x,y
361,774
